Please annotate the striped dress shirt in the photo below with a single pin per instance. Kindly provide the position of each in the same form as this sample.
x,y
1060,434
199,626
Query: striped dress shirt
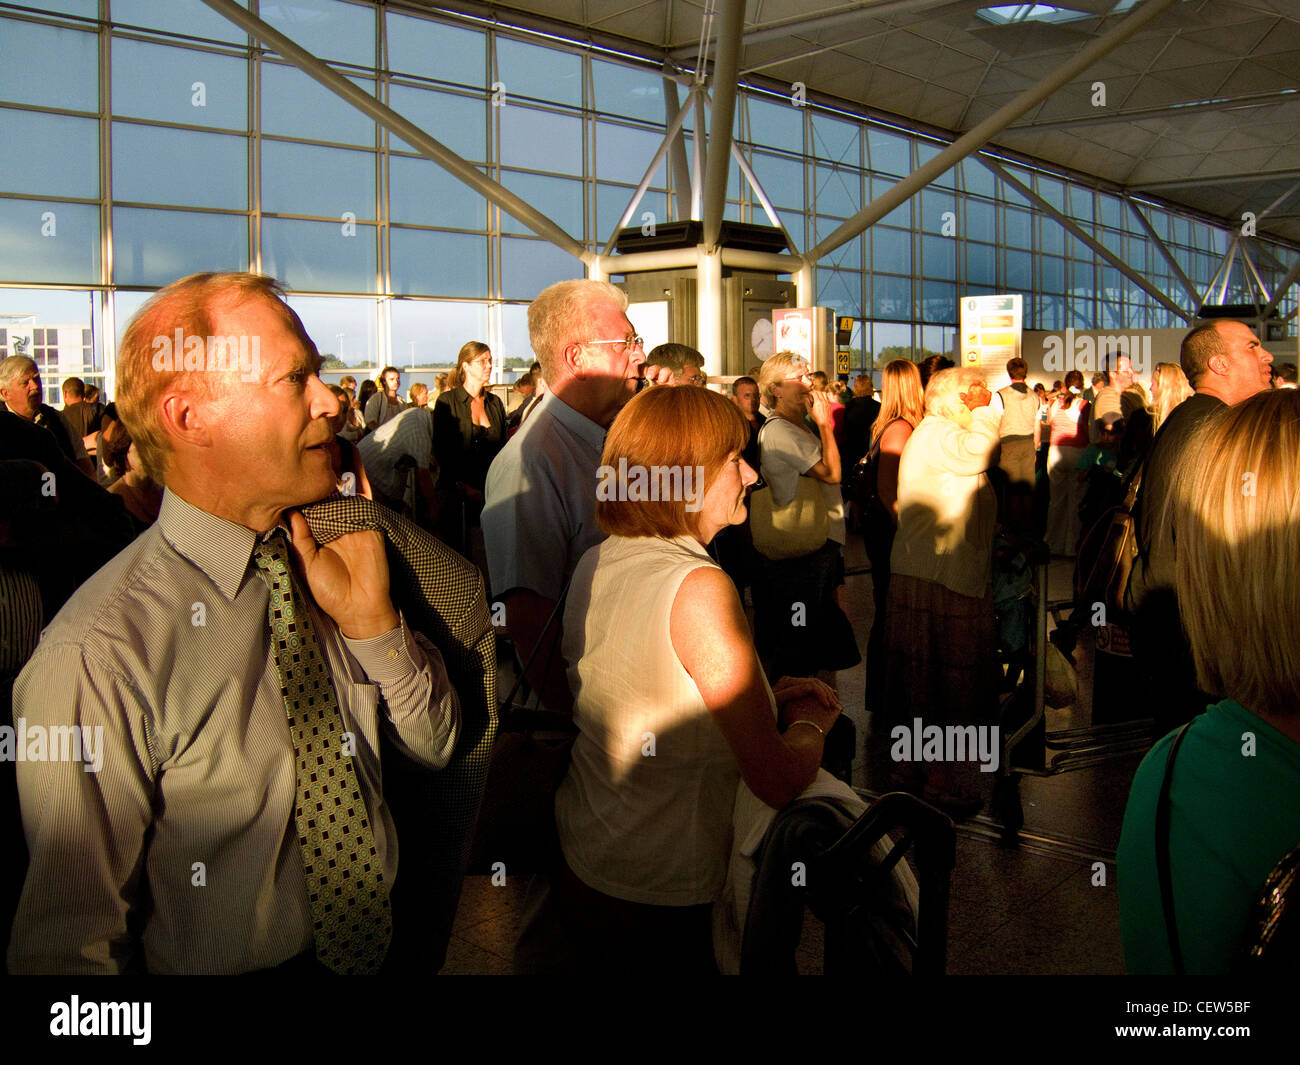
x,y
180,855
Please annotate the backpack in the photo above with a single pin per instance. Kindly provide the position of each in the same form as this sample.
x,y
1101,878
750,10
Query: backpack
x,y
1107,553
862,481
864,487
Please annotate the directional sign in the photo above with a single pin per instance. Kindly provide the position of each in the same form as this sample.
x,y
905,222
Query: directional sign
x,y
990,331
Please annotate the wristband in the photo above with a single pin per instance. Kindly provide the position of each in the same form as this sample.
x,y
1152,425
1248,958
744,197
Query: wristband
x,y
805,721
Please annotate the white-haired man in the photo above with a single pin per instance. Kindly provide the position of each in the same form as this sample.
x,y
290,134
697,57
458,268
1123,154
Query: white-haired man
x,y
539,517
540,512
236,821
20,388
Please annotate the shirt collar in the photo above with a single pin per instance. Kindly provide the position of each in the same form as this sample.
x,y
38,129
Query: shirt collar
x,y
689,544
220,548
578,424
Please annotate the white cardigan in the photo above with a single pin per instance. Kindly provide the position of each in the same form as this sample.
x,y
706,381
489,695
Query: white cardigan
x,y
946,506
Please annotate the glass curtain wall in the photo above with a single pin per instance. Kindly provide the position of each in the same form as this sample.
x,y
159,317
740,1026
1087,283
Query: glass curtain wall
x,y
167,145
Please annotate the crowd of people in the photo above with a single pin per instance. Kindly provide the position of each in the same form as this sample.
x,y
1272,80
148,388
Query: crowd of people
x,y
212,610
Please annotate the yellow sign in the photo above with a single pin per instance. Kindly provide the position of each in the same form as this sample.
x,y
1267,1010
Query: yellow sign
x,y
841,362
990,331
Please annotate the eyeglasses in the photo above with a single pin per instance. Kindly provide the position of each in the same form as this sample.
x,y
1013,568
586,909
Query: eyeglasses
x,y
632,341
805,377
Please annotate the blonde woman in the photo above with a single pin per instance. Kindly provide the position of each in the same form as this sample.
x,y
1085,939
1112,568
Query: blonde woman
x,y
902,406
821,639
1169,387
1234,777
940,640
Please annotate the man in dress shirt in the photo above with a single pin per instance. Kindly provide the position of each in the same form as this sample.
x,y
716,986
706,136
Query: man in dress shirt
x,y
540,512
182,853
539,516
1119,397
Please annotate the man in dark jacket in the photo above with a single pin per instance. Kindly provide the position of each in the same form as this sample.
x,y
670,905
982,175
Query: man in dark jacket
x,y
1225,363
20,388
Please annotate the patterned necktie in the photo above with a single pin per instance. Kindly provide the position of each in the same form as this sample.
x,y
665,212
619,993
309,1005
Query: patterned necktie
x,y
351,917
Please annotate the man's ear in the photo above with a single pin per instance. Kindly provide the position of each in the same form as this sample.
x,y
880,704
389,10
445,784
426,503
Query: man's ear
x,y
186,416
573,359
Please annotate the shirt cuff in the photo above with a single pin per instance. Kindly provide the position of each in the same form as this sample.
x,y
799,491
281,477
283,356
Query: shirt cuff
x,y
390,656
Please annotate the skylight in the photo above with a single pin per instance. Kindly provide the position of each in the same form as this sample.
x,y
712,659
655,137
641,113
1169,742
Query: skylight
x,y
1007,14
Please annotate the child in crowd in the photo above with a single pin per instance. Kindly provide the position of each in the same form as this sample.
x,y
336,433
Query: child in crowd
x,y
1100,474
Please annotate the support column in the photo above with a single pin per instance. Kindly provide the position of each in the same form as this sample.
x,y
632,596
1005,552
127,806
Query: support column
x,y
708,307
670,137
1254,276
698,146
1183,279
805,285
677,153
1282,288
1224,273
725,70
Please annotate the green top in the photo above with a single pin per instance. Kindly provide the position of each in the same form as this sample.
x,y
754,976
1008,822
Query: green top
x,y
1233,817
1101,457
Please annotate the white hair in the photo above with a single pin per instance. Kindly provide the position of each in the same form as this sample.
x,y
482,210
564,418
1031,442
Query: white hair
x,y
14,367
943,393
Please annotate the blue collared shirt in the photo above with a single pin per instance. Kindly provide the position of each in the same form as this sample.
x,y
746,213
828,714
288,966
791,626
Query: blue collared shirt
x,y
539,518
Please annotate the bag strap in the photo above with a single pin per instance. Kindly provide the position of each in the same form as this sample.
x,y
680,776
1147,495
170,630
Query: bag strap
x,y
1162,853
758,452
1131,488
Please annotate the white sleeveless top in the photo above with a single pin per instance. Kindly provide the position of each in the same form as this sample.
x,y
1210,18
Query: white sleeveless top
x,y
645,812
